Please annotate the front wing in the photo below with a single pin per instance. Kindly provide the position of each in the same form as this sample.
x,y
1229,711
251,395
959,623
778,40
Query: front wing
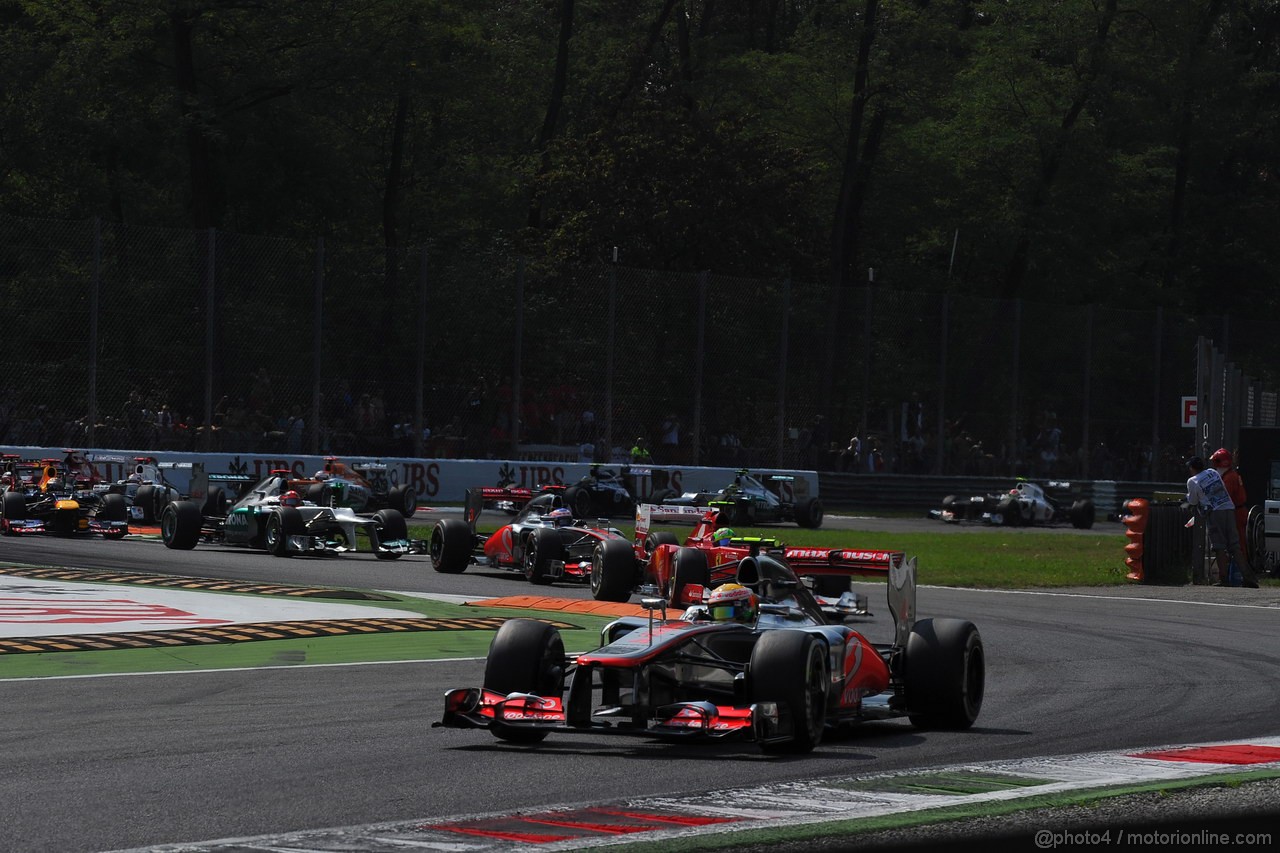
x,y
480,708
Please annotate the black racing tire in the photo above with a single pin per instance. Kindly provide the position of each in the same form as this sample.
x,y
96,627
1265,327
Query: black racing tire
x,y
659,537
283,523
948,501
613,570
728,515
14,509
1010,513
180,525
215,503
944,674
1082,514
579,502
318,494
688,567
404,500
526,656
661,496
1255,544
541,547
388,524
144,499
809,514
790,668
451,546
114,508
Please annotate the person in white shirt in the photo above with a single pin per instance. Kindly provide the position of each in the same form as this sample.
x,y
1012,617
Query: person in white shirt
x,y
1208,495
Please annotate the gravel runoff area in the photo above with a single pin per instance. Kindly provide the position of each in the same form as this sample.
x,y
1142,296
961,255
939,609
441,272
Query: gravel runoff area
x,y
1248,814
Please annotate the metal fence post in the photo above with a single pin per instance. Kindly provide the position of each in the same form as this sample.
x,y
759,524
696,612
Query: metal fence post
x,y
317,336
867,349
699,357
940,453
1088,369
1155,396
608,379
210,270
782,368
419,371
1014,425
515,358
95,287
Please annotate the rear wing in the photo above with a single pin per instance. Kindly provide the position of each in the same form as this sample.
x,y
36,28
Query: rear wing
x,y
842,561
198,487
648,514
476,498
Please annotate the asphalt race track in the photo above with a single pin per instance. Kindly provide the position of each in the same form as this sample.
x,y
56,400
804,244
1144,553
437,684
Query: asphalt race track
x,y
116,762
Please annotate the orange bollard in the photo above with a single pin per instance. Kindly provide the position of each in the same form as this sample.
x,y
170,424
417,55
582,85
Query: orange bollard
x,y
1135,525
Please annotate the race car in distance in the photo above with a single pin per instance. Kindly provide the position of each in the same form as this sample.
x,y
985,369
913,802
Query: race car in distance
x,y
602,493
781,677
749,501
542,541
39,497
361,486
680,571
272,516
147,489
1026,503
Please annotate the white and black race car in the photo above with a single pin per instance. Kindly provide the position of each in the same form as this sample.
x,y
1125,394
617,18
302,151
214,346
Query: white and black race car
x,y
1026,503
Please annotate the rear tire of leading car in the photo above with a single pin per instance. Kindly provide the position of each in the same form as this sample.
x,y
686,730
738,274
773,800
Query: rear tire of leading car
x,y
578,500
284,522
688,568
318,494
613,570
540,548
404,500
1082,514
659,537
180,525
809,514
144,500
215,503
945,674
526,656
388,525
790,668
451,546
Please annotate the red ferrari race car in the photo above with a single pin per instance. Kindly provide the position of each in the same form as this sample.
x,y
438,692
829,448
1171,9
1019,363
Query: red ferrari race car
x,y
708,557
757,663
543,540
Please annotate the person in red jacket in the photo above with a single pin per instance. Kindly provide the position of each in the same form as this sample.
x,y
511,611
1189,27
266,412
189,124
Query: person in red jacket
x,y
1223,462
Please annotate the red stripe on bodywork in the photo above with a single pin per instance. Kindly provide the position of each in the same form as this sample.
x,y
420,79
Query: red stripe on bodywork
x,y
1243,753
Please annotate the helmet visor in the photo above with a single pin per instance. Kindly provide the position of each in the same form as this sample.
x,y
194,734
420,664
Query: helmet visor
x,y
726,612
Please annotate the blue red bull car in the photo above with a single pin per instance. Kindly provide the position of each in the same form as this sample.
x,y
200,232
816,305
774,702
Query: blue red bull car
x,y
777,674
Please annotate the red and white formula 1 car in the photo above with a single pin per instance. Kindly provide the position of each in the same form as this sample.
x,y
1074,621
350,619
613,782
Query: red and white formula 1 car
x,y
782,679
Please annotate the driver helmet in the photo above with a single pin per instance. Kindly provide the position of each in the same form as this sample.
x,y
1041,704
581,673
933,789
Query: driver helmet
x,y
723,536
53,485
733,602
291,498
1221,456
560,516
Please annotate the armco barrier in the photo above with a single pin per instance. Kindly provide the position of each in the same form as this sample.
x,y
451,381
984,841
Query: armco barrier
x,y
435,480
923,493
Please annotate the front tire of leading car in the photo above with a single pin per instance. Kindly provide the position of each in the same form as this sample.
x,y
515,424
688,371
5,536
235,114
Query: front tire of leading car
x,y
180,525
388,525
451,546
284,522
540,548
612,570
790,668
526,656
688,568
945,674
